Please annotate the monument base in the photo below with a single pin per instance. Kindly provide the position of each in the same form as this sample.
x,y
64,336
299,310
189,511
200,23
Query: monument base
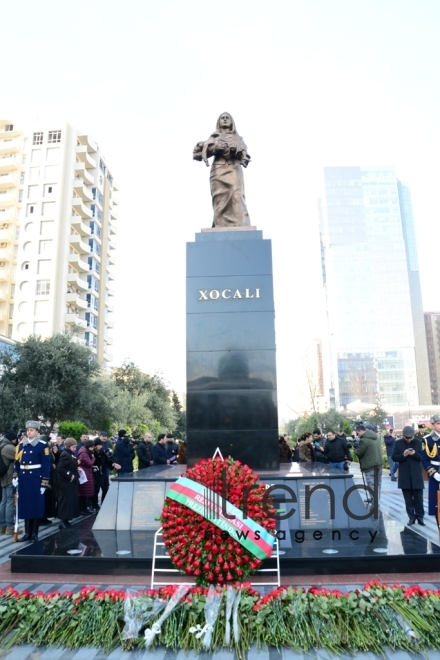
x,y
310,543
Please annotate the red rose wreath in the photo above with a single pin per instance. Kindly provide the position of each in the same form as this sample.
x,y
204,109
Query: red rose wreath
x,y
195,545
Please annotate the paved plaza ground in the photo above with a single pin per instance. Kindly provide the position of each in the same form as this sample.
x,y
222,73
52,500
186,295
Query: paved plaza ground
x,y
391,503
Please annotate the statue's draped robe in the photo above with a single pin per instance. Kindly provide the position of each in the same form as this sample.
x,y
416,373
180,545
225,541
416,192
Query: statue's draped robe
x,y
227,185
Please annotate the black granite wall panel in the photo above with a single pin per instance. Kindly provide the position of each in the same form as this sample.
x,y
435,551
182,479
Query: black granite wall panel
x,y
231,369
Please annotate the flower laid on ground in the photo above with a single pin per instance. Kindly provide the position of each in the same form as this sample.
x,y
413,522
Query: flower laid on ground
x,y
199,547
372,618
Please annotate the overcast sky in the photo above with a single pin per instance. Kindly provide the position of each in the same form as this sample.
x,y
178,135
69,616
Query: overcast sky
x,y
310,83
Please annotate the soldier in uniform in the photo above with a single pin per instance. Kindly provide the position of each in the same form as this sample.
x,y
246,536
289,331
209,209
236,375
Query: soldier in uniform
x,y
430,456
32,472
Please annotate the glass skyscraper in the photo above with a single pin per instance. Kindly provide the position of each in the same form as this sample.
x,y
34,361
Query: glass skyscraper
x,y
377,343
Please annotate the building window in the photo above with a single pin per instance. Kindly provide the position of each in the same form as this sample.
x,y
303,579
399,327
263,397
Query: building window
x,y
9,127
21,178
54,136
91,320
43,288
20,196
11,311
38,138
45,247
12,290
92,283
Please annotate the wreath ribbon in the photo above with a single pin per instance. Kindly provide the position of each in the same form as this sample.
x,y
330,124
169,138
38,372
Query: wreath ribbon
x,y
209,504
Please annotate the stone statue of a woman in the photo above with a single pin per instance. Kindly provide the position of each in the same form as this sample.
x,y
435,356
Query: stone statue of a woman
x,y
227,184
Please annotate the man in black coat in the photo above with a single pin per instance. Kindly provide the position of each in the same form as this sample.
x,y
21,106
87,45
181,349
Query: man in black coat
x,y
143,450
407,453
158,451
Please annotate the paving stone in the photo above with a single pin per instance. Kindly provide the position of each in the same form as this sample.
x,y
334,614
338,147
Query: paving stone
x,y
86,653
21,653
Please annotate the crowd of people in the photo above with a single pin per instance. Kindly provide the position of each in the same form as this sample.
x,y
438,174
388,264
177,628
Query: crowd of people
x,y
58,477
414,456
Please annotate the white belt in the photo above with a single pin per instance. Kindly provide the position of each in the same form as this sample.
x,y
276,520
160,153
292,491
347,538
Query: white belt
x,y
31,467
435,462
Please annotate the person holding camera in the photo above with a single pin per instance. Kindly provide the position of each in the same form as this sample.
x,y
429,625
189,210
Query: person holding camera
x,y
124,453
407,453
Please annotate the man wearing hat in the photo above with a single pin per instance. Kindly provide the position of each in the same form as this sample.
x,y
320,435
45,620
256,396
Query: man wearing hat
x,y
32,472
431,462
7,509
407,453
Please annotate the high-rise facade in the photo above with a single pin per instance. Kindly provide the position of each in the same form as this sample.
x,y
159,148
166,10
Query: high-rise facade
x,y
432,327
57,228
377,344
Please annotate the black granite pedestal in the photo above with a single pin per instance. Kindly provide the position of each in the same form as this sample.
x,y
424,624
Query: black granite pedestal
x,y
231,369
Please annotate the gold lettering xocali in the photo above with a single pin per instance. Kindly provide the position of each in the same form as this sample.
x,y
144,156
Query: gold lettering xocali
x,y
227,294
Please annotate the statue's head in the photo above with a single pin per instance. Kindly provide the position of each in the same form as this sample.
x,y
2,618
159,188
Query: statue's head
x,y
225,123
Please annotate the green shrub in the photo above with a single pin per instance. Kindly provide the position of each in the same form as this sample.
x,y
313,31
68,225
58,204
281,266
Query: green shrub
x,y
72,429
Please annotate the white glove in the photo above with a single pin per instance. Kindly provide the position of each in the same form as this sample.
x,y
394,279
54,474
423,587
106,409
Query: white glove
x,y
15,482
42,491
436,476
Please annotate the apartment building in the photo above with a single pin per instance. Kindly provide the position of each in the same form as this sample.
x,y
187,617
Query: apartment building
x,y
57,231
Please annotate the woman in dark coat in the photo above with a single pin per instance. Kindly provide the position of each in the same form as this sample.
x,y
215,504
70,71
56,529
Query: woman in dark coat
x,y
86,461
67,473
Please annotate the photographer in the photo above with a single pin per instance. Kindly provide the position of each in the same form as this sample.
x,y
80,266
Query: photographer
x,y
103,462
124,453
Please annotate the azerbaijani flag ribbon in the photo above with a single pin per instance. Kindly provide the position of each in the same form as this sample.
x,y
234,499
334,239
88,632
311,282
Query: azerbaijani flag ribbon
x,y
213,507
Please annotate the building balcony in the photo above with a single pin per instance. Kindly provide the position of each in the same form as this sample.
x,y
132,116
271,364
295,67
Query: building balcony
x,y
3,317
110,308
7,200
79,226
81,190
82,173
6,135
4,274
5,237
108,340
112,259
84,157
111,291
87,141
5,254
12,147
76,261
113,215
9,164
79,245
80,209
75,300
8,181
112,229
7,217
111,244
75,280
110,324
108,357
73,320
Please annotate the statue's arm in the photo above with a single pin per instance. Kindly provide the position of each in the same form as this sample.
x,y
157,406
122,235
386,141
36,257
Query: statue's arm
x,y
197,151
